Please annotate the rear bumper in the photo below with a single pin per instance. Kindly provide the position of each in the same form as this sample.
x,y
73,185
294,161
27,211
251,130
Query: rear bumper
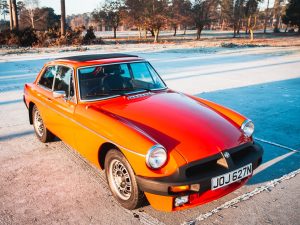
x,y
201,172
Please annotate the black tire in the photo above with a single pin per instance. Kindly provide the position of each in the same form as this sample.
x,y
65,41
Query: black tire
x,y
136,198
43,134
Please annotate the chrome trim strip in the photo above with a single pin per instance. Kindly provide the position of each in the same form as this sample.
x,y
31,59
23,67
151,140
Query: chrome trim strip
x,y
87,128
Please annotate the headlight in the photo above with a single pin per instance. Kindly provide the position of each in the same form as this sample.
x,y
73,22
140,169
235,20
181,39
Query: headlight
x,y
156,157
248,127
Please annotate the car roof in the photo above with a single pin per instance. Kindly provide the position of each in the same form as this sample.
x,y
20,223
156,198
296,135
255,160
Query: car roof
x,y
94,59
84,58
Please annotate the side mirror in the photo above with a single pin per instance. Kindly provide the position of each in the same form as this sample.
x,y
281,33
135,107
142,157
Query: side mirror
x,y
59,94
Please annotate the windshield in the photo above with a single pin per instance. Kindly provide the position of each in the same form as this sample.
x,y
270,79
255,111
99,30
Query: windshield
x,y
117,79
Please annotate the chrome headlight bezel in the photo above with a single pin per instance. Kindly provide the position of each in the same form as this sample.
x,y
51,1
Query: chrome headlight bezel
x,y
248,128
158,149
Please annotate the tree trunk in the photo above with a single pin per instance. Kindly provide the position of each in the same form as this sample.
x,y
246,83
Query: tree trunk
x,y
251,28
234,30
223,25
11,20
32,22
248,25
15,15
63,18
251,34
152,32
156,33
238,27
199,30
146,33
276,16
266,17
184,31
115,32
140,32
175,31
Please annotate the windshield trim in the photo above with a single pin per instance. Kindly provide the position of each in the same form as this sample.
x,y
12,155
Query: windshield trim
x,y
117,95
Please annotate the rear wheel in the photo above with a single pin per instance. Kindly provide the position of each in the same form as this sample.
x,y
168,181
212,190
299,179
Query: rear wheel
x,y
121,180
42,133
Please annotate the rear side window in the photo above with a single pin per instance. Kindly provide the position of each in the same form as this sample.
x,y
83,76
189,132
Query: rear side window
x,y
63,81
48,77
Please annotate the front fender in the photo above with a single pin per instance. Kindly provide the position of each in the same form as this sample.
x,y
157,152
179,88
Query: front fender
x,y
235,117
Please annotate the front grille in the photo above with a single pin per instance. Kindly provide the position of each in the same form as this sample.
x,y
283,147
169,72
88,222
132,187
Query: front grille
x,y
204,169
242,154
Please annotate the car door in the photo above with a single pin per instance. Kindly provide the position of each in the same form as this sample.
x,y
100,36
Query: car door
x,y
43,93
64,105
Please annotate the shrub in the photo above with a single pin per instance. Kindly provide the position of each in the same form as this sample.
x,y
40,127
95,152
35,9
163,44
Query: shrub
x,y
27,37
89,36
24,38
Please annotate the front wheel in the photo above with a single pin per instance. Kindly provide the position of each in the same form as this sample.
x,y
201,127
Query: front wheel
x,y
42,133
121,180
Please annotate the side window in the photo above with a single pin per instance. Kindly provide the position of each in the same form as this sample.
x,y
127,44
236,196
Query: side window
x,y
63,81
140,72
125,71
47,78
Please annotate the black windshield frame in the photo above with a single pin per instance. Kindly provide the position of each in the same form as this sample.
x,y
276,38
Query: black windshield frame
x,y
104,96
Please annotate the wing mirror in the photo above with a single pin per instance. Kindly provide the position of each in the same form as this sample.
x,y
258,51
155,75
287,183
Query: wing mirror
x,y
59,94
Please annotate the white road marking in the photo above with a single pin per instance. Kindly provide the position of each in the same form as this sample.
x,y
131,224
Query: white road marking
x,y
272,162
244,197
276,144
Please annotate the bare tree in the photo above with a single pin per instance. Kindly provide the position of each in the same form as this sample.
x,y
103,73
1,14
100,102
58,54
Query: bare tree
x,y
31,6
63,18
155,16
4,7
179,13
134,14
238,13
203,14
276,15
226,12
110,14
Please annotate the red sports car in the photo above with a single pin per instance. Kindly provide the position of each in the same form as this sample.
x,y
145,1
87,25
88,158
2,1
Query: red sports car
x,y
176,150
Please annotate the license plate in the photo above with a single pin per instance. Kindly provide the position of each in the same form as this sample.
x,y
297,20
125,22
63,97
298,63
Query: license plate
x,y
231,177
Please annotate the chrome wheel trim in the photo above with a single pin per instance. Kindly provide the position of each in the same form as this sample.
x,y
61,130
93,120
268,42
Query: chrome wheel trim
x,y
38,123
120,181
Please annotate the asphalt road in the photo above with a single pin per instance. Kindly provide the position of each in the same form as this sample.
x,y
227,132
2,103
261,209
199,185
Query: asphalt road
x,y
52,184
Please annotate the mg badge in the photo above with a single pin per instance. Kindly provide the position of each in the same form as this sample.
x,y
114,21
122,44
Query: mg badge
x,y
226,155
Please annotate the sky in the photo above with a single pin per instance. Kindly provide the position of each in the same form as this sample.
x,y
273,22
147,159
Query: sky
x,y
72,6
83,6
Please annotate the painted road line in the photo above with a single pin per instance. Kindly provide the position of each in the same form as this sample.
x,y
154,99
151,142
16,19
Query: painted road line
x,y
243,197
272,162
276,144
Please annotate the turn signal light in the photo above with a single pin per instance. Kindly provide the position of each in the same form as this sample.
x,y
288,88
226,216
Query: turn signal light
x,y
180,188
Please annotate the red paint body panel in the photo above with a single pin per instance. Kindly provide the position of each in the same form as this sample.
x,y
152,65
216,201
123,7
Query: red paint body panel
x,y
177,121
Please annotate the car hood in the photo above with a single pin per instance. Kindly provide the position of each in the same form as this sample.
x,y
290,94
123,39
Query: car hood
x,y
178,122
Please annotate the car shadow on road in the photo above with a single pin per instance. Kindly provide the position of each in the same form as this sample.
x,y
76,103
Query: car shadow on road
x,y
16,135
274,107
